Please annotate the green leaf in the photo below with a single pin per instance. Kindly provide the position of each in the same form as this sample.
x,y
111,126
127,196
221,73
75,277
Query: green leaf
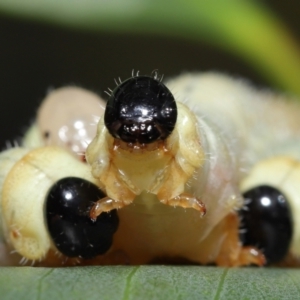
x,y
244,27
149,282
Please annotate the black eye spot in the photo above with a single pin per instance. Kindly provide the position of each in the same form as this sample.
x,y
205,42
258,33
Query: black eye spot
x,y
141,110
267,221
46,134
73,233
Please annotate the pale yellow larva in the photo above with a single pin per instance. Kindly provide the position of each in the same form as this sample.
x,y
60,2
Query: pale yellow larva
x,y
24,188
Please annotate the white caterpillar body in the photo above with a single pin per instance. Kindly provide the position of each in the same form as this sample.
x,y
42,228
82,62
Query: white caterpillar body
x,y
224,129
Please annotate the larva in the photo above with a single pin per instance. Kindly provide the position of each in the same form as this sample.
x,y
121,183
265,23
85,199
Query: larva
x,y
174,159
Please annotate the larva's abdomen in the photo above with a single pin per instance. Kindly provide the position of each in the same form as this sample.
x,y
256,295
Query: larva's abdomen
x,y
256,123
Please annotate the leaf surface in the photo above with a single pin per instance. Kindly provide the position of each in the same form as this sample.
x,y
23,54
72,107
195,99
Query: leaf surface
x,y
149,282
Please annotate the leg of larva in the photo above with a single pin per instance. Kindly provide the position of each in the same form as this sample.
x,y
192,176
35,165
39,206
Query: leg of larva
x,y
122,196
119,194
290,261
187,201
105,204
232,253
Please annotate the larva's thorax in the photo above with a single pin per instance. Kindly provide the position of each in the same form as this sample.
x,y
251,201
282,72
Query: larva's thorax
x,y
162,167
142,169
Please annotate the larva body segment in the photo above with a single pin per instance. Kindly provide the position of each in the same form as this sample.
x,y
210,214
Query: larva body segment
x,y
8,159
247,118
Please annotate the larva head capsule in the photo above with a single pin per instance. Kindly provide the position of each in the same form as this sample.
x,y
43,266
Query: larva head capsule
x,y
267,222
67,207
141,110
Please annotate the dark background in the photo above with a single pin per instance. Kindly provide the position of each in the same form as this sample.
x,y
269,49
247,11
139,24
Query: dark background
x,y
34,57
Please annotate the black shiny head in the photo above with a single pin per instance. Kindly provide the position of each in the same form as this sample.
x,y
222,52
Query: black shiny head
x,y
267,222
67,216
141,110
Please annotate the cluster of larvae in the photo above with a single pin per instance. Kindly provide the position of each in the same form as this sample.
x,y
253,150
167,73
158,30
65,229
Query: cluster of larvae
x,y
202,169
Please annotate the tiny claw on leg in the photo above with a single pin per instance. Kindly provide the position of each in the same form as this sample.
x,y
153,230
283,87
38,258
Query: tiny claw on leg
x,y
242,256
105,204
187,201
251,255
232,252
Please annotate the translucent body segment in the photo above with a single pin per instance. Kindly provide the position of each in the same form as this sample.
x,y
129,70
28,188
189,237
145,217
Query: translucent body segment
x,y
68,117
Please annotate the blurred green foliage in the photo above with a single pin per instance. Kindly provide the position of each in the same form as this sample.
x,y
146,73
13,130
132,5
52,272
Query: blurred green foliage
x,y
244,27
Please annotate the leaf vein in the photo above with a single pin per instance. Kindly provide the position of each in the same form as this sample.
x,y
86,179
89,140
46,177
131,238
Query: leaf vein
x,y
39,287
220,285
128,283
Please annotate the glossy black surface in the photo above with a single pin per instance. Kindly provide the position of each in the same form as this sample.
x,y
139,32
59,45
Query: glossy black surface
x,y
74,234
268,222
141,110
